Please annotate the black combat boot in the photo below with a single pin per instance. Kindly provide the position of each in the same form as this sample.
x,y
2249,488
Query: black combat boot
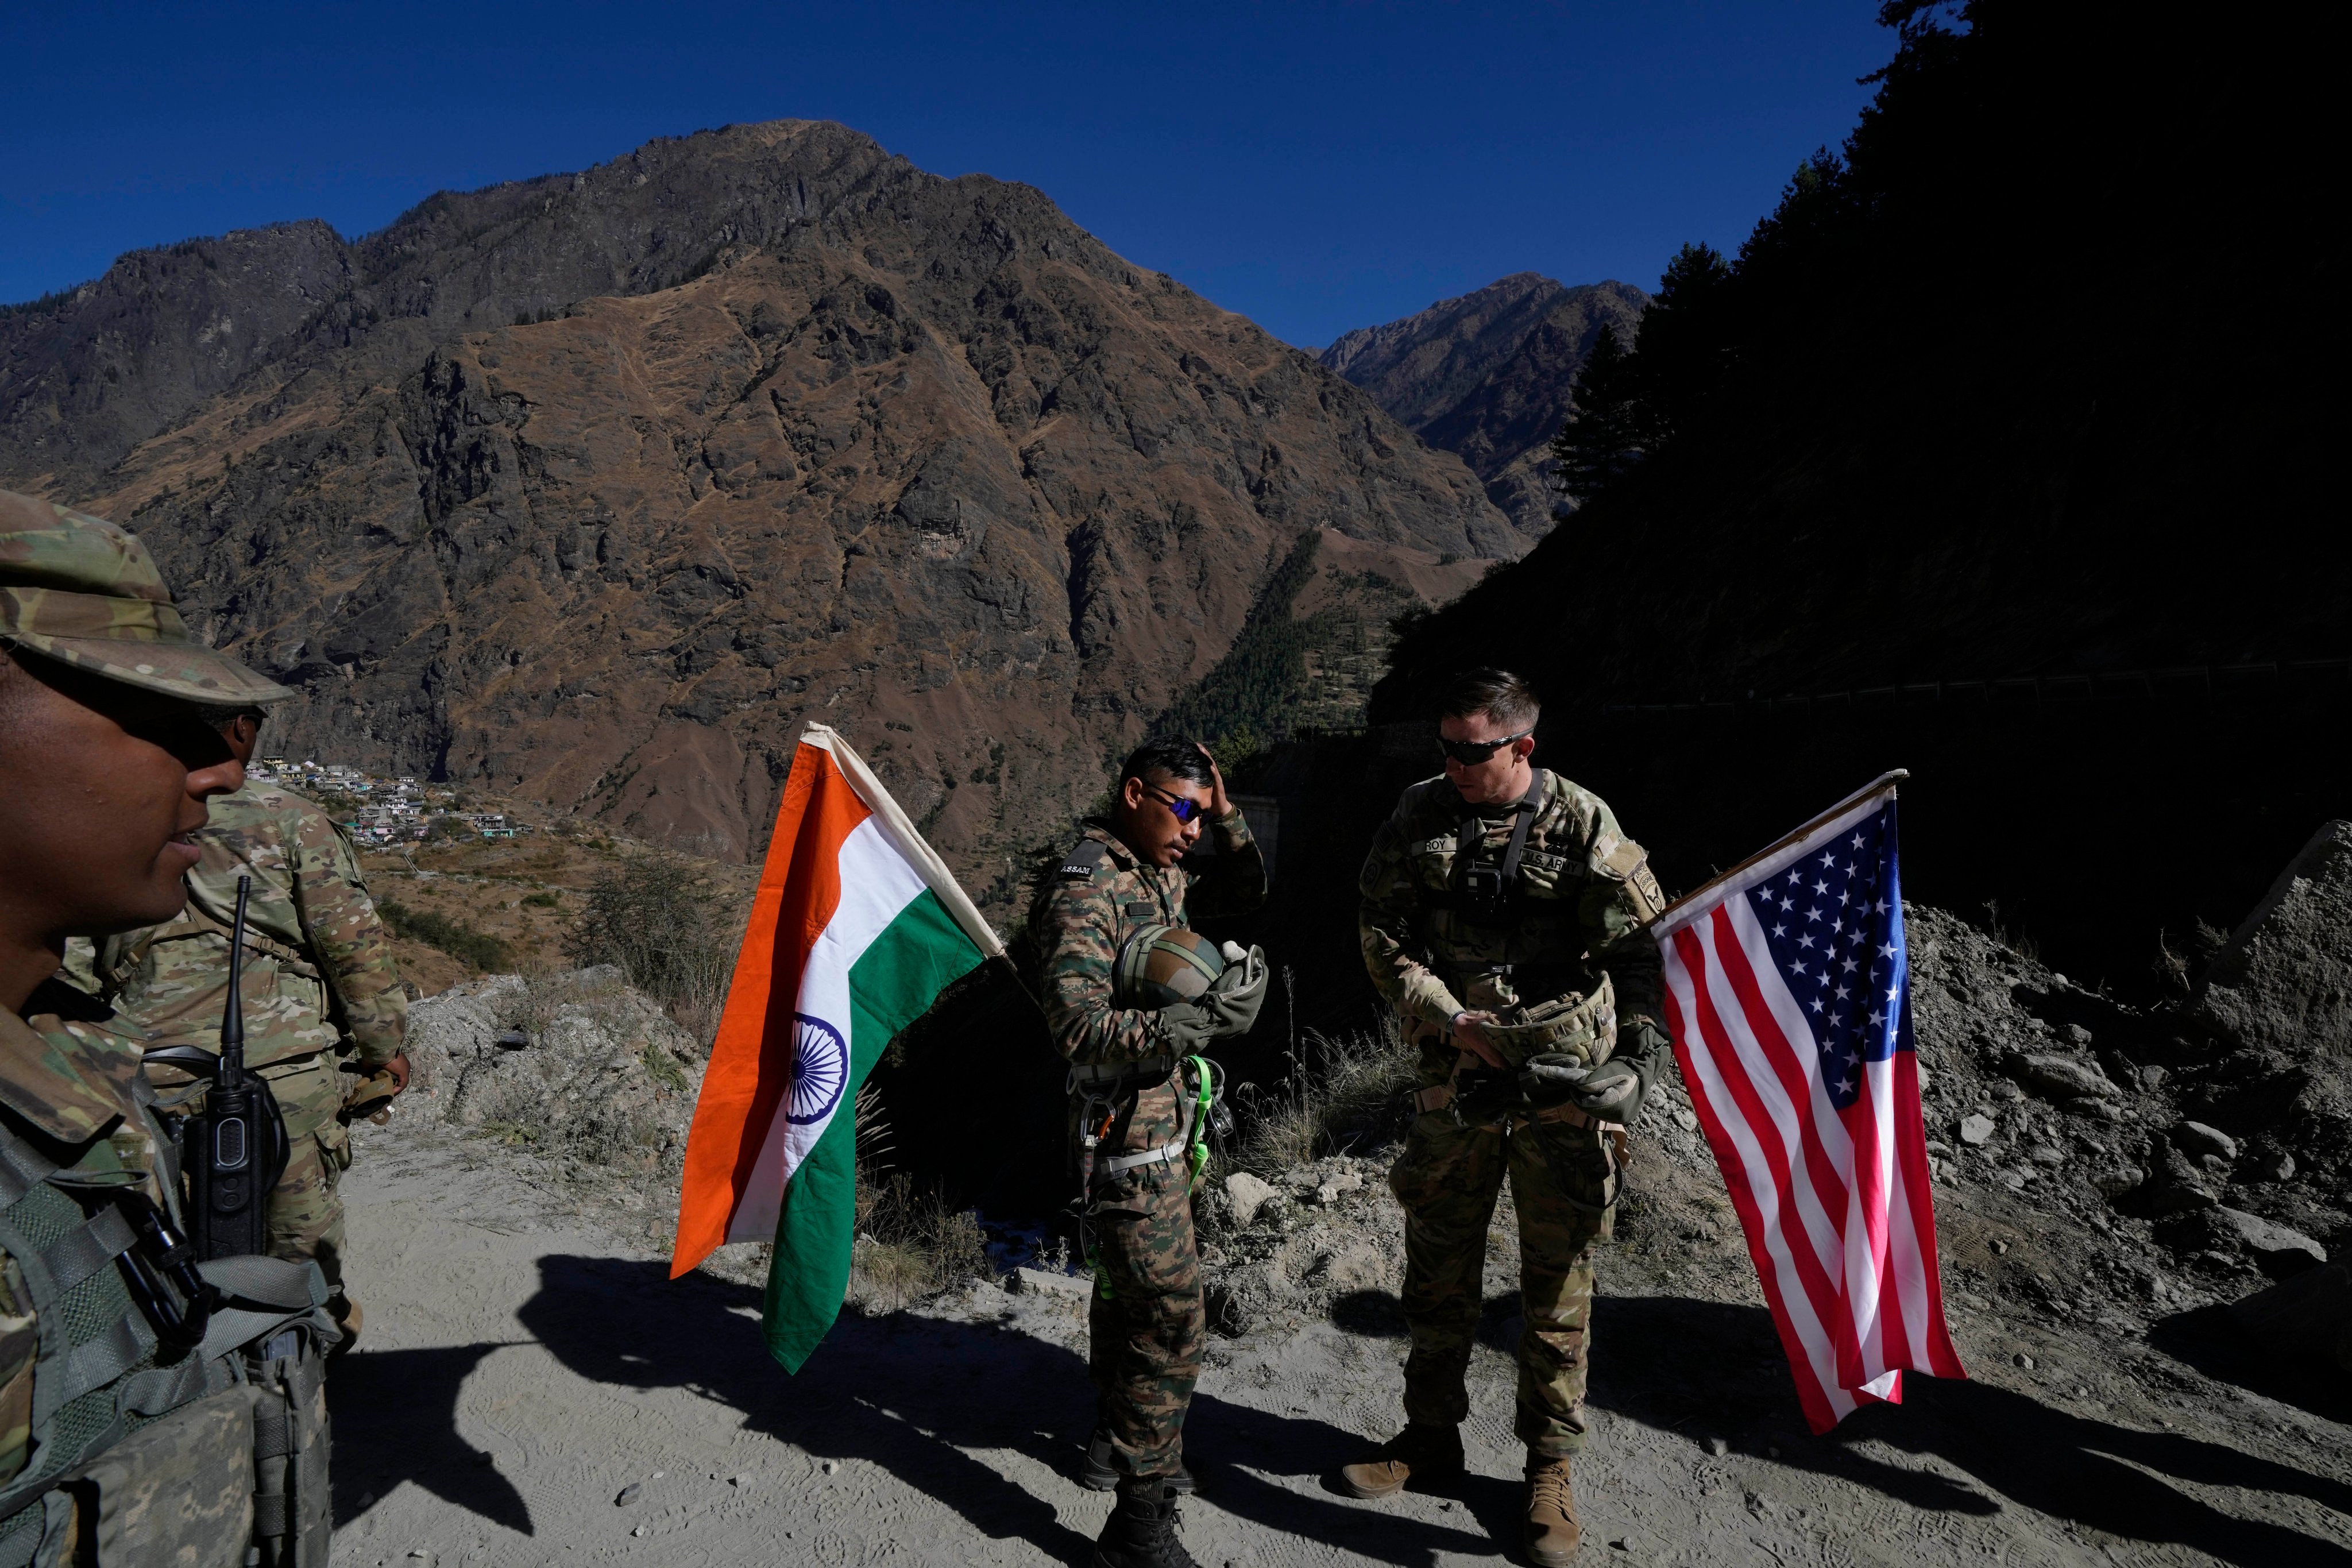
x,y
1142,1532
1098,1472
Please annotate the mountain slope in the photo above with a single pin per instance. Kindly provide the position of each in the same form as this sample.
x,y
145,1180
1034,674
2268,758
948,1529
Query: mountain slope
x,y
591,488
1487,376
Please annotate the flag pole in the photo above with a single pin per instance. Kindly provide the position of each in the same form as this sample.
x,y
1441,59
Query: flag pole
x,y
1885,781
918,850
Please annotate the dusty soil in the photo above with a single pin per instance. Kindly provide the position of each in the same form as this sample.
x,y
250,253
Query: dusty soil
x,y
528,1361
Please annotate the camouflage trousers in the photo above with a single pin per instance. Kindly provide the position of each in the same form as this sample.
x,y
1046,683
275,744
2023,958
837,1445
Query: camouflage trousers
x,y
305,1213
1447,1182
1147,1326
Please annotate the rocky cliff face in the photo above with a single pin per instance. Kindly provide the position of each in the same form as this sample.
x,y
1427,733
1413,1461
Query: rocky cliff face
x,y
1487,376
591,488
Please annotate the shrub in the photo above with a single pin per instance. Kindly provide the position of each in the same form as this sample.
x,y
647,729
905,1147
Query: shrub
x,y
544,900
476,948
658,918
1341,1091
910,1244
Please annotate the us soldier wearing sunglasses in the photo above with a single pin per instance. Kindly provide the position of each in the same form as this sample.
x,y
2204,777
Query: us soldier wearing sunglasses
x,y
1501,918
1133,1103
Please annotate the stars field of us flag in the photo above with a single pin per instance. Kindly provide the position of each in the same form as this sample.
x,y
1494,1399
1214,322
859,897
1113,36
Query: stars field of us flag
x,y
1788,991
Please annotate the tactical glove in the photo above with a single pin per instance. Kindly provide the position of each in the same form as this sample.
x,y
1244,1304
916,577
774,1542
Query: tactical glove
x,y
1233,1000
1612,1091
1187,1028
1553,1079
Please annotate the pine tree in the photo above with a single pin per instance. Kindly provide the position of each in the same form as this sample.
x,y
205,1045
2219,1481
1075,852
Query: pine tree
x,y
1601,440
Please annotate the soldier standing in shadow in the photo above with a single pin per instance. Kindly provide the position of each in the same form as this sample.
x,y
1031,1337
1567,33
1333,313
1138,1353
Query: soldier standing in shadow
x,y
1501,918
1132,997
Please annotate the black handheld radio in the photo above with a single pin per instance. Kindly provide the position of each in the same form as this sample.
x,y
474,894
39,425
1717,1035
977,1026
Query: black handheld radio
x,y
234,1149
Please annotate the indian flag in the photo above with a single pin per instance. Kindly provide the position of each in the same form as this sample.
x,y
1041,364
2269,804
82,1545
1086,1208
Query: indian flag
x,y
856,929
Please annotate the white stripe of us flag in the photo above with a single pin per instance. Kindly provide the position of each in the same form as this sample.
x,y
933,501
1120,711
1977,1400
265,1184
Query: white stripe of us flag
x,y
1788,991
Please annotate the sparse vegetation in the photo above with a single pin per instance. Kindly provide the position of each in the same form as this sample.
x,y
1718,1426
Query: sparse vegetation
x,y
545,899
909,1243
461,941
658,917
1341,1092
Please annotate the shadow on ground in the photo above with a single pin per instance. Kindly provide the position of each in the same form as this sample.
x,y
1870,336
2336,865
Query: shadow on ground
x,y
915,1396
2210,1342
395,1419
1705,1368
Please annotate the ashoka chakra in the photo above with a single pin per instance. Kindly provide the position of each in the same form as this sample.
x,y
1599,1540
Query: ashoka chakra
x,y
820,1070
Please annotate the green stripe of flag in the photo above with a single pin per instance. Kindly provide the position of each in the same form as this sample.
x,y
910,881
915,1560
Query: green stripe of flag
x,y
893,982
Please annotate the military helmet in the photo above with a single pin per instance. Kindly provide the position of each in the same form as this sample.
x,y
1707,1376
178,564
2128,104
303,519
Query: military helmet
x,y
1582,1026
1159,966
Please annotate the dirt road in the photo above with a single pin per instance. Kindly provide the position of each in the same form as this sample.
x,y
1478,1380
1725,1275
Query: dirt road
x,y
527,1364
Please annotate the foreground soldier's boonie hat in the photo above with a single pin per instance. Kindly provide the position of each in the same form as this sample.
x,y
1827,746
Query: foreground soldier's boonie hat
x,y
77,589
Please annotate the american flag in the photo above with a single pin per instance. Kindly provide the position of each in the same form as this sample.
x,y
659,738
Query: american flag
x,y
1789,998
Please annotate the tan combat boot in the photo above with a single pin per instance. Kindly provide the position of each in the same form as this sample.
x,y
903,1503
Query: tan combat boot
x,y
1424,1454
1553,1534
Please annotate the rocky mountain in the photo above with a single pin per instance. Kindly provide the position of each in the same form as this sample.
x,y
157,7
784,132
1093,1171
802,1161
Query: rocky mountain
x,y
1487,376
589,487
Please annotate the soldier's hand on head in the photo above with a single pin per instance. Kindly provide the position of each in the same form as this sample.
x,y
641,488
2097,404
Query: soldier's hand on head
x,y
1470,1037
1220,807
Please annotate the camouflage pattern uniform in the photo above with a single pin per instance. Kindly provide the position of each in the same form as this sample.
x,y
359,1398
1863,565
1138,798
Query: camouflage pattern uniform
x,y
1147,1324
72,1088
319,985
79,591
1581,893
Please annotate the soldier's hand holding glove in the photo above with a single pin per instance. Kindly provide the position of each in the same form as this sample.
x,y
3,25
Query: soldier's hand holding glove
x,y
1236,995
1553,1078
1613,1090
1225,1010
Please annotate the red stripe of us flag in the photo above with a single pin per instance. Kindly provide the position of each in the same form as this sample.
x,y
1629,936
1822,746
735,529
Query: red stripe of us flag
x,y
1787,991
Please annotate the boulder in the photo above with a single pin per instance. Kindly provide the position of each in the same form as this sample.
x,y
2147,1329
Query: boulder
x,y
2278,1249
2196,1140
1247,1194
2284,981
1976,1130
2063,1077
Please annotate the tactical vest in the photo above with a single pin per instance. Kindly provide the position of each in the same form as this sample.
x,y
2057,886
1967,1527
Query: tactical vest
x,y
205,1455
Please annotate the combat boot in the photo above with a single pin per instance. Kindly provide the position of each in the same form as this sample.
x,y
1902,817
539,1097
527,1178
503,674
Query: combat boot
x,y
1099,1473
1141,1531
1552,1533
1424,1454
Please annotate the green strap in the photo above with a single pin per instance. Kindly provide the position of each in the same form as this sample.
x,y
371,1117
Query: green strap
x,y
1196,1156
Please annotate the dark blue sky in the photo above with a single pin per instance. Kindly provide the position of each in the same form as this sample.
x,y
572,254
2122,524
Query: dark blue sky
x,y
1315,166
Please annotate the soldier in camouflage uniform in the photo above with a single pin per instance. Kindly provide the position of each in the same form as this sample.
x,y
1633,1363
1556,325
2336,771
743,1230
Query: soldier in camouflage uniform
x,y
106,760
1129,1086
1496,892
322,996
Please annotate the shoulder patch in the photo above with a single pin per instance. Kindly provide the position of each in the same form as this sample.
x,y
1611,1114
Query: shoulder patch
x,y
1082,862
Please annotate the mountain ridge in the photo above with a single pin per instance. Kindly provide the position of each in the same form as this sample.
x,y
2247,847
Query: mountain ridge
x,y
1486,375
588,488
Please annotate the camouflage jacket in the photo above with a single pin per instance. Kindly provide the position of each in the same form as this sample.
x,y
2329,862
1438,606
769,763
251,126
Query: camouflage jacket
x,y
70,1088
319,972
1583,891
1095,900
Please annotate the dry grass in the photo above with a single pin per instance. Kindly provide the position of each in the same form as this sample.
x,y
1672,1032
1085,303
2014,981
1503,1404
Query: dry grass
x,y
1342,1093
910,1244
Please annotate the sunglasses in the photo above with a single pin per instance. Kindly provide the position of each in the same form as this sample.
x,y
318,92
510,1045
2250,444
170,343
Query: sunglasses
x,y
1181,807
1470,754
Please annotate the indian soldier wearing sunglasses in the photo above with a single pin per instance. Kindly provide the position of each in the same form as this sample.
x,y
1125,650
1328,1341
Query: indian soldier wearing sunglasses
x,y
1501,918
1134,1097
